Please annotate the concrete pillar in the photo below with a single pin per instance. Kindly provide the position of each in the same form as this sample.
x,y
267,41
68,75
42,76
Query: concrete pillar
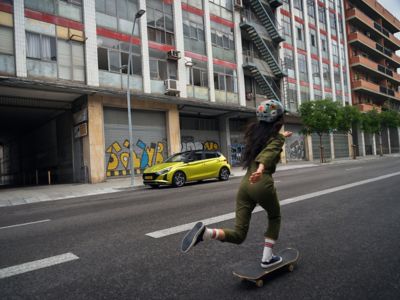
x,y
19,39
309,148
225,137
210,63
173,131
389,142
373,144
239,58
350,146
180,46
332,146
93,143
363,152
89,20
398,131
144,49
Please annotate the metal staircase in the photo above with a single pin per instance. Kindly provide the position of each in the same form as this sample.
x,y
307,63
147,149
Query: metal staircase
x,y
264,49
266,20
269,87
275,3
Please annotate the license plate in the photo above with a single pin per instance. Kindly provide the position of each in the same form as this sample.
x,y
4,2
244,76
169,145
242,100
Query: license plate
x,y
148,177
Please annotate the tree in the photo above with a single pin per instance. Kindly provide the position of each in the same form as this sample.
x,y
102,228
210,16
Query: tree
x,y
370,123
348,117
319,117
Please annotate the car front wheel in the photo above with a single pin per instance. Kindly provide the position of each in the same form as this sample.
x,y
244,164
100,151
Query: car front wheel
x,y
179,179
224,174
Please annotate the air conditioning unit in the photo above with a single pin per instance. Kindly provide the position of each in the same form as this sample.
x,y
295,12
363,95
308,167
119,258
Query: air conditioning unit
x,y
171,87
238,4
173,54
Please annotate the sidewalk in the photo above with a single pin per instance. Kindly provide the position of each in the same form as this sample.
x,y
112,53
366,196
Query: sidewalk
x,y
33,194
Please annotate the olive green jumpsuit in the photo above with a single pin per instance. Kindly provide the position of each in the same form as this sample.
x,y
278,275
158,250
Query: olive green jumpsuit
x,y
262,193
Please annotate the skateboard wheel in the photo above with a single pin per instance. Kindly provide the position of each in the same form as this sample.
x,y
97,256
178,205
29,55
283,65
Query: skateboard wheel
x,y
291,267
259,283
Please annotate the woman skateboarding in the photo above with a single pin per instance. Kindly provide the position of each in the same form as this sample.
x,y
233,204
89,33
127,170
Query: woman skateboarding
x,y
263,145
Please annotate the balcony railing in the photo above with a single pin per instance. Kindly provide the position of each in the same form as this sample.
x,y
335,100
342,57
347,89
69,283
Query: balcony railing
x,y
372,65
375,88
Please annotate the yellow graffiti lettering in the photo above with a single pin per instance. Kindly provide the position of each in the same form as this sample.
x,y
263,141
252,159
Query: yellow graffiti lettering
x,y
159,155
112,162
211,146
124,158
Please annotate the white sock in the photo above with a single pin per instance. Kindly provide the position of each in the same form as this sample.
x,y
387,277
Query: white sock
x,y
267,253
210,233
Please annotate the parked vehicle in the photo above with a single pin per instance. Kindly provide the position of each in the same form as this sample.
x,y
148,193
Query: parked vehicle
x,y
188,166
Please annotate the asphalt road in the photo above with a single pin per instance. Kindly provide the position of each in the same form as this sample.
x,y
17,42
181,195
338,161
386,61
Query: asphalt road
x,y
348,240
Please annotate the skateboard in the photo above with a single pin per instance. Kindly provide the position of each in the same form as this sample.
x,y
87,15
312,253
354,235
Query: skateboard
x,y
252,271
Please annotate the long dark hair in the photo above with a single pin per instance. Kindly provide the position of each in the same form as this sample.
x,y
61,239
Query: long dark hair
x,y
256,137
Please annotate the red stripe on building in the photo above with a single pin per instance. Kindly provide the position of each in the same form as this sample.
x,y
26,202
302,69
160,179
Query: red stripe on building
x,y
317,87
329,90
222,21
287,46
334,37
301,51
314,56
336,65
196,56
291,80
161,47
338,92
304,83
224,63
321,4
332,10
6,8
117,36
323,32
285,12
40,16
312,26
299,20
193,10
325,60
168,1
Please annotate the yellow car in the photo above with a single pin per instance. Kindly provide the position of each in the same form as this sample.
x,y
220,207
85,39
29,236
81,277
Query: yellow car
x,y
187,166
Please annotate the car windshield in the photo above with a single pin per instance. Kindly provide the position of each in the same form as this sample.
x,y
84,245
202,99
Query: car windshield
x,y
179,157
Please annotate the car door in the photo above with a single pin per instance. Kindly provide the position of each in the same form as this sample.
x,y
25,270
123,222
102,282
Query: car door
x,y
211,165
194,167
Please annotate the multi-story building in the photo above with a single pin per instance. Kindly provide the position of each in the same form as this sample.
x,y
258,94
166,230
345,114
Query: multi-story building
x,y
375,82
199,69
315,56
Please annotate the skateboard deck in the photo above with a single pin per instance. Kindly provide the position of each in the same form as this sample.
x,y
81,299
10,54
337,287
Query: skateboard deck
x,y
252,271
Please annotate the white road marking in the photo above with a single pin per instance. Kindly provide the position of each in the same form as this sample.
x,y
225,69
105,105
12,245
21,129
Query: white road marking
x,y
37,264
229,216
24,224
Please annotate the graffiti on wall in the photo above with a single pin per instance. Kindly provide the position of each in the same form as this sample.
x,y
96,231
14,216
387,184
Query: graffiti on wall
x,y
295,148
236,153
147,156
189,143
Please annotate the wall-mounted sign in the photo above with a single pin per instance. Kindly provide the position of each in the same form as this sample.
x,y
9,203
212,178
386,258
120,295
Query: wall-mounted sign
x,y
81,130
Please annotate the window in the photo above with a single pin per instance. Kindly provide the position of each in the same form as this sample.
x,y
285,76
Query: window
x,y
40,46
313,41
287,29
7,40
322,19
193,32
160,67
44,5
332,20
225,79
71,62
327,75
302,67
315,72
335,52
311,11
289,62
300,36
324,46
197,75
160,22
113,56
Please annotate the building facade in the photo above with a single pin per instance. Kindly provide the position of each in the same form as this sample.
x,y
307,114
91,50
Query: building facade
x,y
315,56
373,62
199,68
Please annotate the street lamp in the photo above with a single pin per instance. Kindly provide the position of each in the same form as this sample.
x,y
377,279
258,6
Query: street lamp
x,y
128,98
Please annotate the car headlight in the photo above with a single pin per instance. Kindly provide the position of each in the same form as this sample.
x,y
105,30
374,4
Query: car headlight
x,y
163,171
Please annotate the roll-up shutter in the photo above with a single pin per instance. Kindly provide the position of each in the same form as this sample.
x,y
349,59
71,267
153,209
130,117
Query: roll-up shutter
x,y
199,133
326,144
341,142
149,140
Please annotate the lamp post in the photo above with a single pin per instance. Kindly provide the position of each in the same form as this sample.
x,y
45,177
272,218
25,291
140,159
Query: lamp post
x,y
128,98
